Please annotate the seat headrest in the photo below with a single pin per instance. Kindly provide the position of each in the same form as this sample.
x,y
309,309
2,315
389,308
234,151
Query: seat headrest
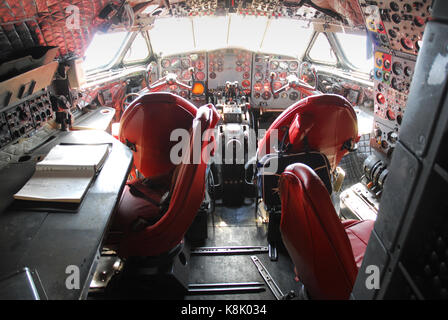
x,y
328,122
147,125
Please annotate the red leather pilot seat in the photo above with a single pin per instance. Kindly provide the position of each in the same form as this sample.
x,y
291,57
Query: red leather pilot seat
x,y
324,123
147,124
326,252
141,226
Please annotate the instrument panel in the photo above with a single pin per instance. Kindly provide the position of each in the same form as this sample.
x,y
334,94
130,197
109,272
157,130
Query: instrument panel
x,y
397,24
280,68
180,65
252,71
396,28
230,65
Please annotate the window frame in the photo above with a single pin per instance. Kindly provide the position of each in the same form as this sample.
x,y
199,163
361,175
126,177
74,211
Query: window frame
x,y
118,57
129,45
345,61
311,45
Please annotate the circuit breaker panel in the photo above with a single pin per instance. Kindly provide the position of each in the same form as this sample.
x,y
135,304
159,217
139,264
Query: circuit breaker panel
x,y
396,30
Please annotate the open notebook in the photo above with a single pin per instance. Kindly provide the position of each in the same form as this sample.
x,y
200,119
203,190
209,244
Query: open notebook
x,y
65,174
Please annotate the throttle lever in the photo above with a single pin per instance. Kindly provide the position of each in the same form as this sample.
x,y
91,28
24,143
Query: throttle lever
x,y
191,70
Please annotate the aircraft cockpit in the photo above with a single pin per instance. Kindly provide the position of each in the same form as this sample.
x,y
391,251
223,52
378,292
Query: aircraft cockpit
x,y
219,150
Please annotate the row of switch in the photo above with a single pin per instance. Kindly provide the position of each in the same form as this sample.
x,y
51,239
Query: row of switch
x,y
24,118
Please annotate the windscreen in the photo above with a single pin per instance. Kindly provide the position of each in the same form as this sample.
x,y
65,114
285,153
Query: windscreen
x,y
103,48
206,33
355,48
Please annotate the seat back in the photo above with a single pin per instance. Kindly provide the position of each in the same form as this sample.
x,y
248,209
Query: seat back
x,y
146,127
186,196
273,164
325,123
314,236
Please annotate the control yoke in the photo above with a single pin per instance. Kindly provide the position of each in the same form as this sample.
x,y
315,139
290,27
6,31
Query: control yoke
x,y
292,82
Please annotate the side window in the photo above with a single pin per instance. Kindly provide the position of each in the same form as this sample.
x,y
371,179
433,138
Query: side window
x,y
322,51
137,51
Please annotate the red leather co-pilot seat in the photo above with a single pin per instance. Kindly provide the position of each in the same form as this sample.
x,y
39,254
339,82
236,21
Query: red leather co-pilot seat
x,y
326,252
324,123
142,227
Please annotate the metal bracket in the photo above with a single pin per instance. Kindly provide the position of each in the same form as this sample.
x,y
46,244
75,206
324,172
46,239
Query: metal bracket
x,y
229,250
225,288
277,292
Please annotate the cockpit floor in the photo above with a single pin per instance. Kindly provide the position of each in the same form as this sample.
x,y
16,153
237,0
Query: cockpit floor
x,y
238,227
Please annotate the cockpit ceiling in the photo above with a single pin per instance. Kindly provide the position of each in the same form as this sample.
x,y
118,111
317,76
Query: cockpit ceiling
x,y
29,23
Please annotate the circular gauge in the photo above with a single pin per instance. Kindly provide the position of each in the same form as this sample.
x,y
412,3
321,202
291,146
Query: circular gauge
x,y
186,75
220,69
397,68
293,65
380,98
273,65
284,95
173,87
246,75
380,87
267,86
386,76
183,93
212,75
396,18
257,95
200,64
277,85
282,75
239,62
390,115
392,33
379,62
175,63
408,71
258,86
247,63
378,73
387,64
186,63
266,95
258,76
407,43
294,95
239,69
165,63
194,57
419,21
246,69
245,83
407,7
220,62
200,76
394,6
395,84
